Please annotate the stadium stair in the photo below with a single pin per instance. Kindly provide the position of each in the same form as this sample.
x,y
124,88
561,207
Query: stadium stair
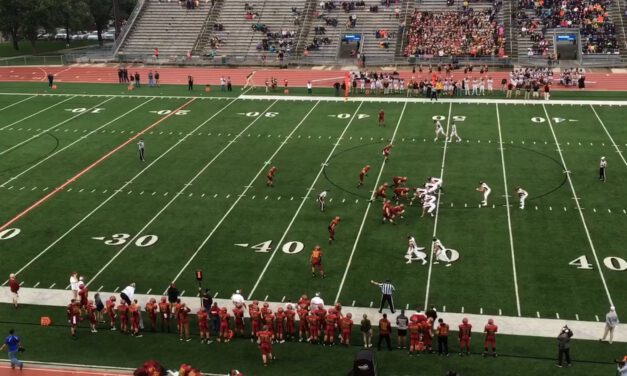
x,y
203,45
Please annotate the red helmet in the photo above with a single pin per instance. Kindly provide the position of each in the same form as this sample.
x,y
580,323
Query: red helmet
x,y
349,315
465,320
255,302
223,309
163,299
112,298
414,318
265,304
289,306
490,322
280,309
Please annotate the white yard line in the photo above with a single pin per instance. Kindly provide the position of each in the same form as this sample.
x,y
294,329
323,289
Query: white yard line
x,y
179,193
16,103
363,220
36,113
437,212
509,219
73,143
247,187
583,219
53,127
120,189
620,154
513,325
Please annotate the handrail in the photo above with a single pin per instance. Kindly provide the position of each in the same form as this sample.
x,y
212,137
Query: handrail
x,y
404,33
201,34
129,24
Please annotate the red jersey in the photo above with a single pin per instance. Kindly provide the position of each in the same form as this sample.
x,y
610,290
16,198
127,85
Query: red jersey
x,y
490,330
414,330
203,319
268,319
224,318
271,172
303,303
321,313
290,318
346,324
465,330
265,336
401,191
398,210
334,223
313,321
280,321
164,309
151,309
381,115
364,171
83,293
238,313
91,313
183,314
14,285
123,311
316,256
398,180
384,327
110,307
387,149
381,191
443,330
330,321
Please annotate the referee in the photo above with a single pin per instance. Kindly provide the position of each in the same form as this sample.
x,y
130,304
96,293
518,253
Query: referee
x,y
387,289
602,167
140,146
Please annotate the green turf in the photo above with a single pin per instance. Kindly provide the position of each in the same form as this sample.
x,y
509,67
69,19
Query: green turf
x,y
518,355
205,194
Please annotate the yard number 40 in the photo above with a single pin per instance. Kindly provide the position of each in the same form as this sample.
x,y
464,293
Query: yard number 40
x,y
611,262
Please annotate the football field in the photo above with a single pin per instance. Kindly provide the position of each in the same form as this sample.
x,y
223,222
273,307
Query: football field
x,y
74,195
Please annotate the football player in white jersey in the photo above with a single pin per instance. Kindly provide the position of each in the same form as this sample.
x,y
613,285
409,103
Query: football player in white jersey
x,y
439,130
602,168
485,189
418,194
439,252
428,205
454,134
433,184
522,196
413,251
321,197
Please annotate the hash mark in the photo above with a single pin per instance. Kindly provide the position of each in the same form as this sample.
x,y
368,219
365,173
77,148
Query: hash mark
x,y
52,285
481,311
370,304
282,299
116,289
557,315
596,317
538,314
443,308
353,304
148,292
266,298
36,284
577,316
182,292
215,295
100,288
462,309
500,312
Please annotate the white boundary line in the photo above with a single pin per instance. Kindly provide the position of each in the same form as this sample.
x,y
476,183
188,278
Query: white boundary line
x,y
116,191
437,212
363,220
36,113
609,135
302,203
131,241
583,219
121,96
74,142
16,103
53,127
239,197
509,219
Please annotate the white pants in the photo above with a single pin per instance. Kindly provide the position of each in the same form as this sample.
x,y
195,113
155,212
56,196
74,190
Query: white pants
x,y
414,254
454,134
522,200
486,194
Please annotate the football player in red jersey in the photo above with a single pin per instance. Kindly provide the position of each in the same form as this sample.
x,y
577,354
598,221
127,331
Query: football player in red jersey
x,y
110,308
400,192
382,118
203,326
312,323
329,327
279,323
164,312
386,151
381,191
465,332
225,325
490,337
238,314
415,329
290,322
183,319
427,334
268,320
264,339
316,261
346,325
387,212
74,316
399,181
255,319
151,309
123,313
91,315
270,176
398,211
332,227
303,326
362,174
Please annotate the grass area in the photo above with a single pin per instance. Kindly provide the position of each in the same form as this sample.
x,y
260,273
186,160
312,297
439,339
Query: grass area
x,y
201,202
42,47
534,355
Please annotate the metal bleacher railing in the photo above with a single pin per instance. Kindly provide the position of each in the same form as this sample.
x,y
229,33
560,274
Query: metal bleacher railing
x,y
119,41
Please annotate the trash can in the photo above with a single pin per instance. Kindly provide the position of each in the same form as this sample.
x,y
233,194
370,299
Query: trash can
x,y
365,364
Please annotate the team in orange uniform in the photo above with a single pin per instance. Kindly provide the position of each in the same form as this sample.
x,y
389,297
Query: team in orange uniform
x,y
238,315
490,337
400,192
264,339
164,312
382,118
110,308
312,323
329,327
135,311
255,319
316,261
123,314
279,324
399,181
465,332
224,325
183,318
290,322
151,309
303,310
362,174
270,176
386,151
381,191
346,325
203,326
415,333
332,227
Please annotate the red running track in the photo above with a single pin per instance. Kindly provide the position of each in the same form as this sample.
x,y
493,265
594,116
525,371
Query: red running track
x,y
35,370
296,77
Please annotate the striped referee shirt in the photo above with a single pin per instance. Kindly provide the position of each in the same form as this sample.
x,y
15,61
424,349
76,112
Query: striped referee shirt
x,y
386,288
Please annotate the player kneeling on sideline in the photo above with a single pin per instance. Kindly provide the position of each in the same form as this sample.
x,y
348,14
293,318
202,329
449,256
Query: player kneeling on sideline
x,y
490,337
264,339
522,196
413,251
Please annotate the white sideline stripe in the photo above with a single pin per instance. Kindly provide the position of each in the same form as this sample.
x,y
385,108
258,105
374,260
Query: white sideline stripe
x,y
363,220
116,191
583,219
521,326
76,141
16,103
36,113
122,96
437,211
609,135
509,218
440,100
302,202
180,192
246,188
53,127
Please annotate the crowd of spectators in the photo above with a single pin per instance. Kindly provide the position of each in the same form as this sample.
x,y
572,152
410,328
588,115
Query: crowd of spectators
x,y
455,33
189,4
590,16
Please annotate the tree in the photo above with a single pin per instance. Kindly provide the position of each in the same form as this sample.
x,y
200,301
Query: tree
x,y
35,15
100,11
10,19
72,15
